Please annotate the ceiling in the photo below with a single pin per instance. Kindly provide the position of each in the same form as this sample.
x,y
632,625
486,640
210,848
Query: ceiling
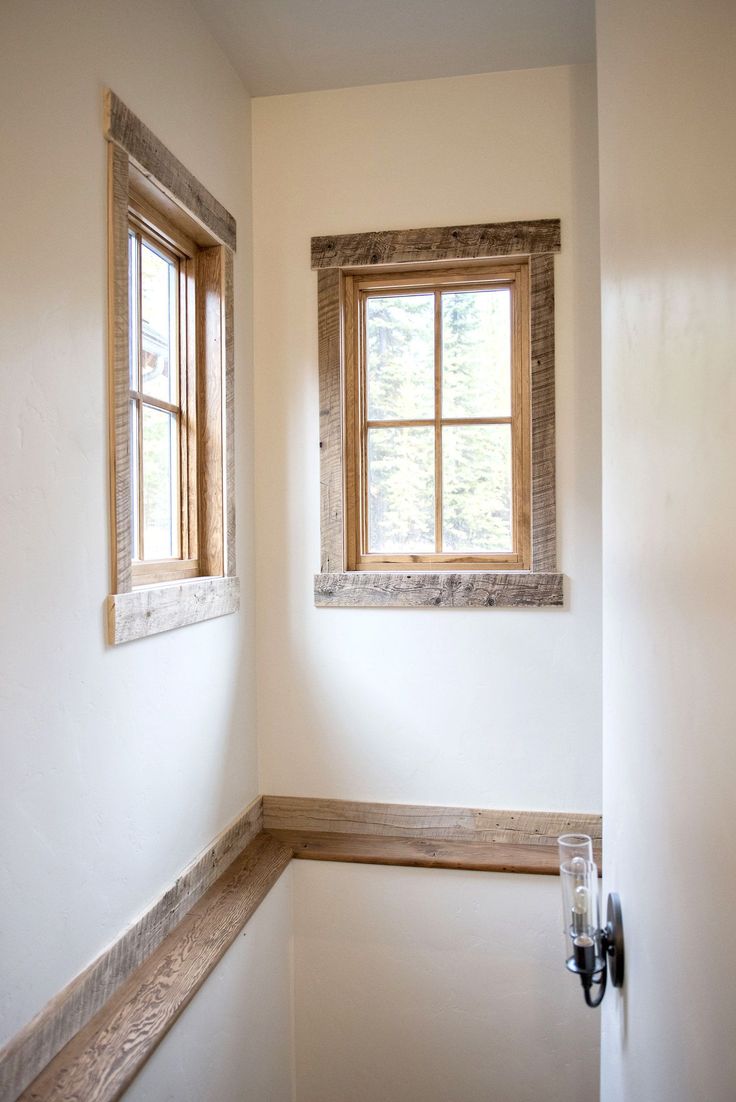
x,y
280,46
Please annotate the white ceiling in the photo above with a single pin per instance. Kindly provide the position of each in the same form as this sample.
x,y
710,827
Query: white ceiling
x,y
281,46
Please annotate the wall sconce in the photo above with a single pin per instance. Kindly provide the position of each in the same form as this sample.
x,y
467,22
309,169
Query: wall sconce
x,y
592,951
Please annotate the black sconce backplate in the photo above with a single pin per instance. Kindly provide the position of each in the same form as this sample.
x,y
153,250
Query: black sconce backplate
x,y
615,940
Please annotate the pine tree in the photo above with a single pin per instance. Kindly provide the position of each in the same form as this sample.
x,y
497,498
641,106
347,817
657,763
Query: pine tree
x,y
476,459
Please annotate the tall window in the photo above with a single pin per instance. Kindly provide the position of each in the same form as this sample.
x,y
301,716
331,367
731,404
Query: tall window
x,y
171,354
438,422
161,290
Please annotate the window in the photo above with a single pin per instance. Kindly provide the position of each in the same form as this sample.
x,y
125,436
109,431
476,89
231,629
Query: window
x,y
161,298
437,419
171,366
436,357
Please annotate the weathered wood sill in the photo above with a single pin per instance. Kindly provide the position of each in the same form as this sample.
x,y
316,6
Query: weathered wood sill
x,y
422,589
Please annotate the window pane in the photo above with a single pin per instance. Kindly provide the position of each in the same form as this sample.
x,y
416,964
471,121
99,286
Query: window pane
x,y
160,485
476,353
159,324
400,357
134,486
476,488
401,489
133,308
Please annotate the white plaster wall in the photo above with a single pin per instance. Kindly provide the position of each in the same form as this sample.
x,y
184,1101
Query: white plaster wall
x,y
417,984
426,985
486,707
668,162
117,766
233,1043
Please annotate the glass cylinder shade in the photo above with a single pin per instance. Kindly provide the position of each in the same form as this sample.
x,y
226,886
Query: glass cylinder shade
x,y
575,845
579,882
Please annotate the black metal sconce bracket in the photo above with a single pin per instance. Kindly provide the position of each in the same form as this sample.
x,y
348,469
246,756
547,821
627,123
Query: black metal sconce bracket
x,y
594,969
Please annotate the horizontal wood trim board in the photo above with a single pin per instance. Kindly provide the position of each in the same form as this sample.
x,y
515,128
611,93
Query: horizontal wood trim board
x,y
434,243
423,836
152,609
154,159
91,1039
28,1053
381,849
425,589
103,1058
467,825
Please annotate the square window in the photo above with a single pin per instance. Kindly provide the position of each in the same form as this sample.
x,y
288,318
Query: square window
x,y
437,443
436,359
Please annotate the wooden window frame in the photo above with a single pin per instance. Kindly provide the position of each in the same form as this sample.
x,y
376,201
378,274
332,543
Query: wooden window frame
x,y
342,262
150,187
358,288
174,244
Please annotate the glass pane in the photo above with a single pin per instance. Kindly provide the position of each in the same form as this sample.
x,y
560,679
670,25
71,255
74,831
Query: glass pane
x,y
133,308
159,324
476,353
476,488
401,490
160,485
400,357
135,488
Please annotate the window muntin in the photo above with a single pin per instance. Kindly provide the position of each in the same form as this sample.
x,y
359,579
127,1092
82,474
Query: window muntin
x,y
437,419
161,288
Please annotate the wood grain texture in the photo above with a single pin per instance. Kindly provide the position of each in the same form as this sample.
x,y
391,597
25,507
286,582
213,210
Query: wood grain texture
x,y
425,836
437,243
544,526
423,589
90,1041
103,1058
28,1053
455,824
135,152
371,849
173,570
229,488
334,586
210,382
144,612
145,189
154,159
119,370
330,421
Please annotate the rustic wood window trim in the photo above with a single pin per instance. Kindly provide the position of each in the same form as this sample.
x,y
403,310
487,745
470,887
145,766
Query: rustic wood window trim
x,y
338,259
148,184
